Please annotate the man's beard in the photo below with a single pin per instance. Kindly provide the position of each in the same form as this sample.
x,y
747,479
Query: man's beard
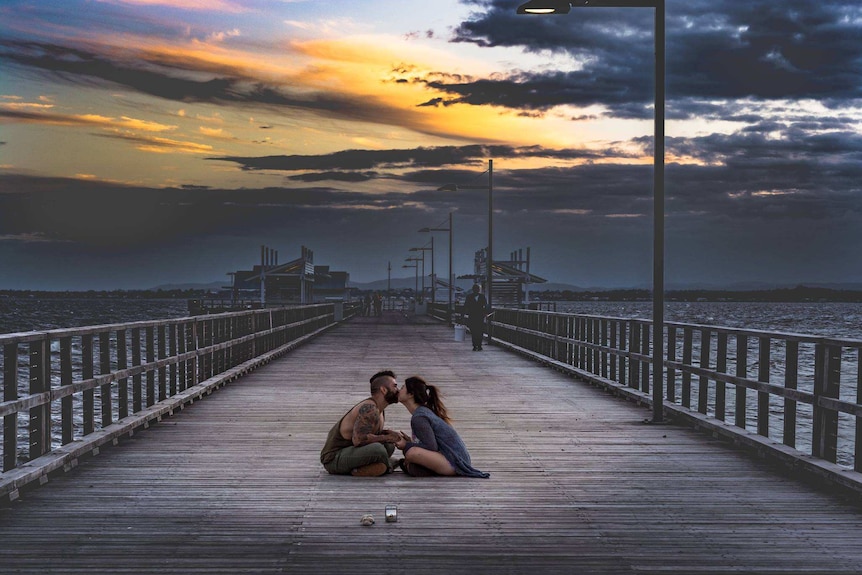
x,y
391,397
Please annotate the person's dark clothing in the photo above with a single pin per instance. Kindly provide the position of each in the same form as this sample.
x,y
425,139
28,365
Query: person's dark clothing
x,y
476,306
378,305
432,433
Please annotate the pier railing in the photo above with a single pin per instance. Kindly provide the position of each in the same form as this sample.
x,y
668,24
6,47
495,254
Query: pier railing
x,y
794,397
66,392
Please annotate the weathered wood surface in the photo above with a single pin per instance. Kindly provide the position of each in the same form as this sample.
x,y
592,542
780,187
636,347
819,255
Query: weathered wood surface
x,y
232,484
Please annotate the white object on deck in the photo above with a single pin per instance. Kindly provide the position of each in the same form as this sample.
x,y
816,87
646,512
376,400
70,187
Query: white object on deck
x,y
460,332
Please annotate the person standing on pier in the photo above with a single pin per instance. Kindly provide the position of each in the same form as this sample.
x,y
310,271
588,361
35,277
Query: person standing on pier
x,y
476,308
378,304
358,444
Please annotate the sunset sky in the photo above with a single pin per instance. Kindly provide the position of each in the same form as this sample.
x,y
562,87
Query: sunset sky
x,y
149,142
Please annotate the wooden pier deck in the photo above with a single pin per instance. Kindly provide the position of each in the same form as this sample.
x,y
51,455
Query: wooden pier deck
x,y
579,484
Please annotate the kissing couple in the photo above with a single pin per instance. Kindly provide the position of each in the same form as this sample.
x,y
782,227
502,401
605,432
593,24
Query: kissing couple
x,y
360,445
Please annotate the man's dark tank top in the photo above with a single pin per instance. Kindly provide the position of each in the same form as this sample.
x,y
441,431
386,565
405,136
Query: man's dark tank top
x,y
334,441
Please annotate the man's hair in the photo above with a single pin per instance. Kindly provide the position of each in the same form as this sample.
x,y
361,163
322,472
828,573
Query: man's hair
x,y
377,379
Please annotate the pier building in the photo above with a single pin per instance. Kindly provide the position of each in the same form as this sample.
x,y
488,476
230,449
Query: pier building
x,y
512,278
297,282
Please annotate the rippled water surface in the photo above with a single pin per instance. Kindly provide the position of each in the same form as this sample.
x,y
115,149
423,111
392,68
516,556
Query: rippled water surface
x,y
34,314
840,320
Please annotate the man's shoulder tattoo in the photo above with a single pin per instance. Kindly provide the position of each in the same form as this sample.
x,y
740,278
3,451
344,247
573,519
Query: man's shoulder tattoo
x,y
366,420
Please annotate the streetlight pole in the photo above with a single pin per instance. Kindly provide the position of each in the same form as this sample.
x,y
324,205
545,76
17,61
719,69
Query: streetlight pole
x,y
415,265
433,275
562,7
490,262
423,276
490,252
451,231
424,249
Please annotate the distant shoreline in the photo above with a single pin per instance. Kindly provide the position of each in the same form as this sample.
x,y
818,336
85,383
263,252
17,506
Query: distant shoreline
x,y
800,294
106,294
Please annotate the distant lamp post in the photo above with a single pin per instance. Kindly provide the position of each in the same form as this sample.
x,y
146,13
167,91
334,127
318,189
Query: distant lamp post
x,y
489,264
562,7
414,265
451,279
424,249
232,288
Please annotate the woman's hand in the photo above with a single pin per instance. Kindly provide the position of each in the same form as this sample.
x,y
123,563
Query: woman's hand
x,y
402,441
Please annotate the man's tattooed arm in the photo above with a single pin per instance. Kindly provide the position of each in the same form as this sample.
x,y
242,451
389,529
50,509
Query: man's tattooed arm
x,y
365,428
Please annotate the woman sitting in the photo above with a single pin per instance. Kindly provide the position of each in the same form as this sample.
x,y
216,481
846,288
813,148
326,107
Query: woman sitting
x,y
436,448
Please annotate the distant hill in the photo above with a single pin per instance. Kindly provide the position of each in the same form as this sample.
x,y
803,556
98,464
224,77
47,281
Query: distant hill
x,y
214,286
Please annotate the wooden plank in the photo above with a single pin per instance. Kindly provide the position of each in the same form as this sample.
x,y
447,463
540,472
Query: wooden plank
x,y
578,483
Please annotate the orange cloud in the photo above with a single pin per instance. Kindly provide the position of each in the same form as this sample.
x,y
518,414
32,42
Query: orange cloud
x,y
159,145
11,112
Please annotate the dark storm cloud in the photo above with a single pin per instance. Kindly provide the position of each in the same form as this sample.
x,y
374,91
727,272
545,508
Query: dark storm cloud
x,y
112,217
415,157
763,49
530,91
754,183
775,141
97,214
334,177
717,49
181,80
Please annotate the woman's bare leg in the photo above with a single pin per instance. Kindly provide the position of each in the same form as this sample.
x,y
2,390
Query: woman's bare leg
x,y
433,460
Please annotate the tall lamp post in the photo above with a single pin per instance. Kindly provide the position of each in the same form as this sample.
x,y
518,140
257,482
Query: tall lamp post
x,y
489,264
415,266
424,249
451,279
418,261
562,7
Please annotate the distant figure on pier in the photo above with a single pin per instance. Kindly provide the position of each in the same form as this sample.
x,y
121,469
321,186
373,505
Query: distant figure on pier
x,y
358,444
436,449
378,304
476,308
366,305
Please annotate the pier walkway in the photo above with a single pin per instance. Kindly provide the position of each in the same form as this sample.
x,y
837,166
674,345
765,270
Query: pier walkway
x,y
579,484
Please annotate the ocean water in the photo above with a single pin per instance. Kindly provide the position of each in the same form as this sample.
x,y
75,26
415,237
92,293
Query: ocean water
x,y
19,314
839,320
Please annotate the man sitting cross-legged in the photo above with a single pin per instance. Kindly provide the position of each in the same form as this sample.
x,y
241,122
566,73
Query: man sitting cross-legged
x,y
358,444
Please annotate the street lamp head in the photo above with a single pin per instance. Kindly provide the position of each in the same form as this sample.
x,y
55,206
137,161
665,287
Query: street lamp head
x,y
545,7
448,188
424,230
